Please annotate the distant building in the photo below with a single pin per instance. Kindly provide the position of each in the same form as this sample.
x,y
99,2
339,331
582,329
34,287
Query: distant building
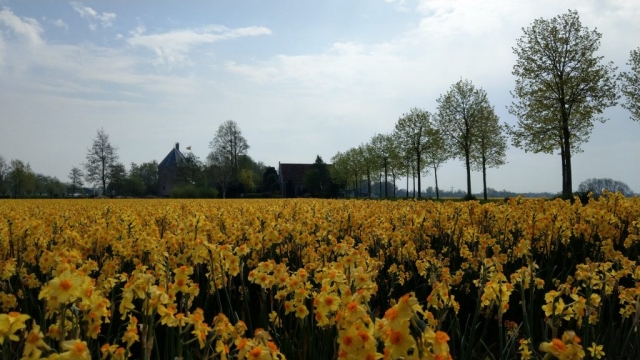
x,y
168,170
291,178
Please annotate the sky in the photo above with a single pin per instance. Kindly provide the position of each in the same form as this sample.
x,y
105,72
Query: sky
x,y
300,78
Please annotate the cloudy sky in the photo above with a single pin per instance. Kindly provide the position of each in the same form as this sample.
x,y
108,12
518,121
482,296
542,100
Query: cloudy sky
x,y
300,78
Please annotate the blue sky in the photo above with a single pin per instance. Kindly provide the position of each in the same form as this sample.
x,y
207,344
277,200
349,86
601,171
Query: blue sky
x,y
300,78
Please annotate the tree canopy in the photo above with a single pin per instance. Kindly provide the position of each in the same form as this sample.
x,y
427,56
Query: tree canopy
x,y
631,85
100,158
412,134
597,186
561,88
460,114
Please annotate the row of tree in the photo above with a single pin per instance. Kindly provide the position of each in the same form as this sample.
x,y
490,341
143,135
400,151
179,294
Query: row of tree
x,y
562,88
17,177
464,126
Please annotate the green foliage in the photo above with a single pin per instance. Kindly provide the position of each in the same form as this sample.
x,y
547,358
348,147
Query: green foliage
x,y
318,181
561,88
100,158
460,117
227,148
412,134
190,191
270,182
117,179
21,179
147,173
631,85
75,178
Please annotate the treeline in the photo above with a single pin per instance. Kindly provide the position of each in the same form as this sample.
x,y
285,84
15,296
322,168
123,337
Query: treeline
x,y
228,171
562,87
464,126
18,179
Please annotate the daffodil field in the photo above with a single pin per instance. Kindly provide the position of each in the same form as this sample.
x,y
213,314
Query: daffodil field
x,y
319,279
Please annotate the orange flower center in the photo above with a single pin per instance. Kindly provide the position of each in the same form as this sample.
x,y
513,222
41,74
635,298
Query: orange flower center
x,y
391,314
66,285
558,345
255,352
347,340
79,348
363,336
442,337
328,301
395,337
33,338
352,306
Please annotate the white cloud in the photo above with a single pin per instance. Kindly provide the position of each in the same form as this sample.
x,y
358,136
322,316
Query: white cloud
x,y
105,19
27,28
172,47
60,23
138,30
399,5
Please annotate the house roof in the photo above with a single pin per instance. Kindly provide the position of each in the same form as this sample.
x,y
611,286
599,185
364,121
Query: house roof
x,y
172,159
293,172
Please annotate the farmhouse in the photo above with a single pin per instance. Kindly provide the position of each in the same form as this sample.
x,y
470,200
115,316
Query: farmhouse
x,y
291,178
168,170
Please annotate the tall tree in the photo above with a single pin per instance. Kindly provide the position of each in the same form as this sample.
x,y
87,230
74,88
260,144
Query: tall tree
x,y
490,147
75,178
412,133
220,169
117,178
190,171
436,153
147,172
631,85
384,147
340,171
100,158
561,88
270,179
229,144
460,112
367,159
21,178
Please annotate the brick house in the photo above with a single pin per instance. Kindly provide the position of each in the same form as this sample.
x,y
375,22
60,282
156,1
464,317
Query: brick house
x,y
291,178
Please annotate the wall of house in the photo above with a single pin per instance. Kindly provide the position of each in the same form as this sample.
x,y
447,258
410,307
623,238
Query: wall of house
x,y
166,179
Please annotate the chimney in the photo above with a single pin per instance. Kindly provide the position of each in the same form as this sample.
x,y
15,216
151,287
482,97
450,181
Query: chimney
x,y
178,146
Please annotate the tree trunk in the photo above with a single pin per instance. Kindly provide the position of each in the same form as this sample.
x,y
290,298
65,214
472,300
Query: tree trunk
x,y
435,172
468,165
368,183
413,172
379,185
418,171
386,190
407,195
356,191
567,188
393,173
484,176
104,180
